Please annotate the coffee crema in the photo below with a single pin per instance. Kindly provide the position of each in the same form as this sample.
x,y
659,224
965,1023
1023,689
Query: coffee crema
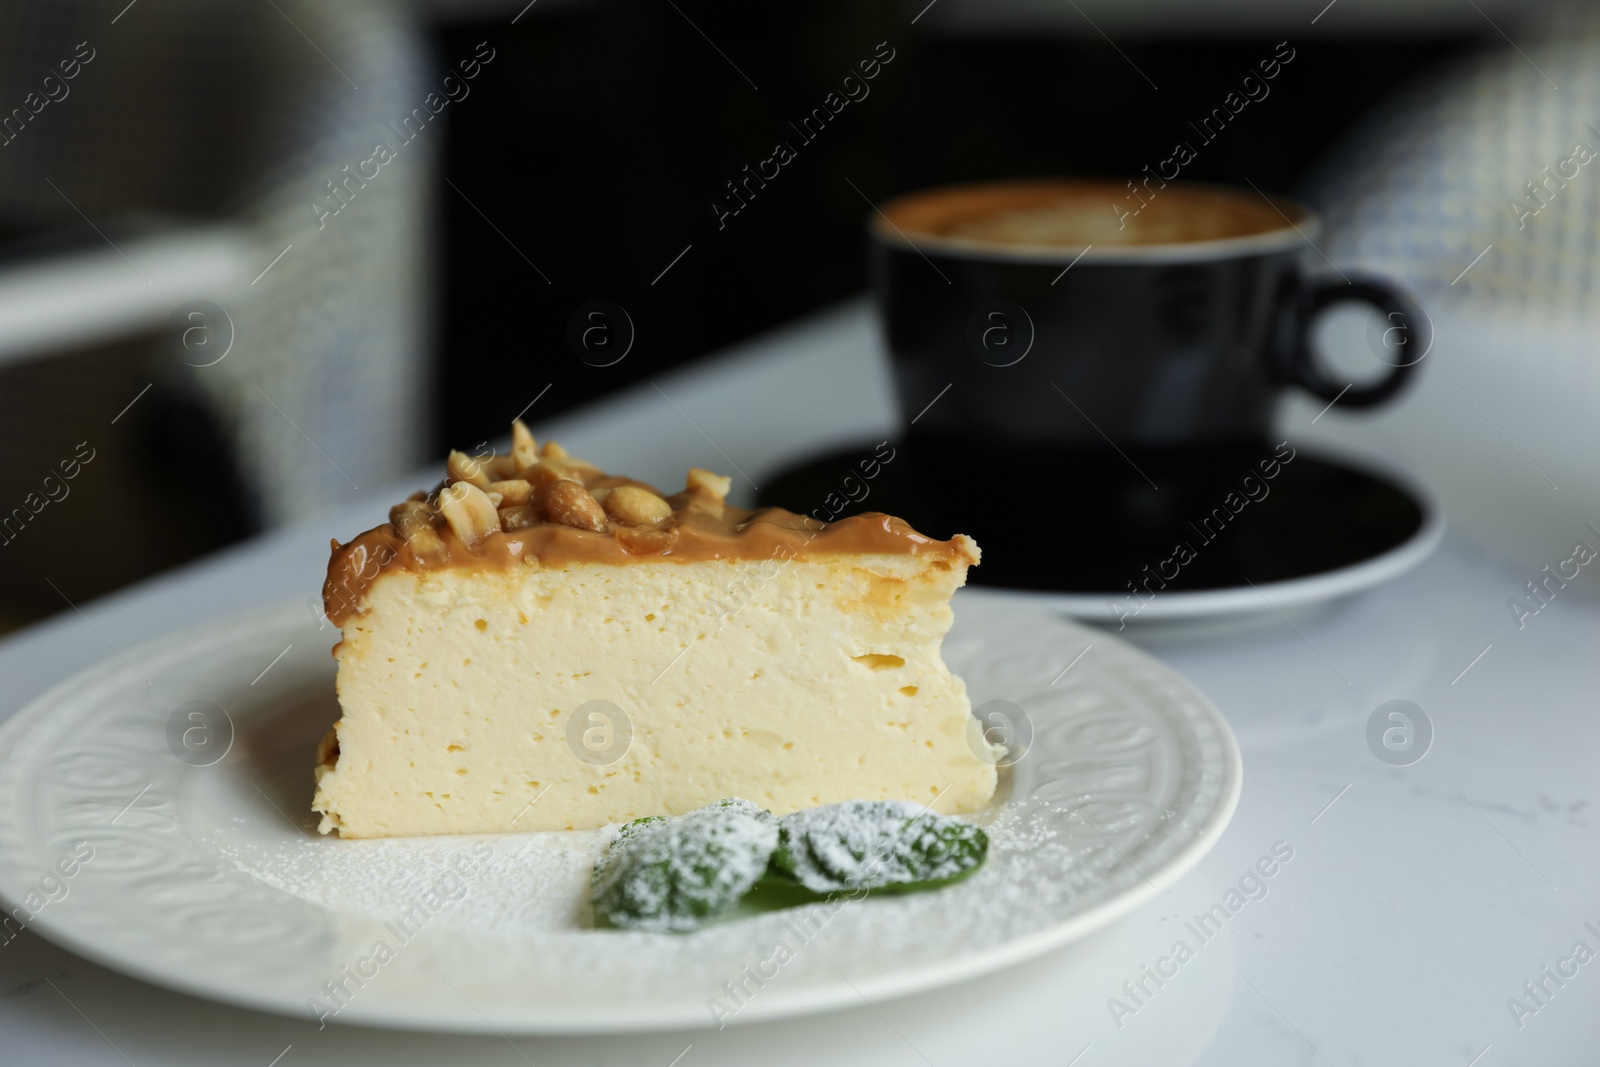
x,y
1065,214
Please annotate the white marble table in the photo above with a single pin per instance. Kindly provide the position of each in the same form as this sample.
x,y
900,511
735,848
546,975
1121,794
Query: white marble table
x,y
1417,902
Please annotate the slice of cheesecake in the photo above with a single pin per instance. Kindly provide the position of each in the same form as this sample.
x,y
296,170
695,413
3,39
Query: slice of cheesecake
x,y
538,646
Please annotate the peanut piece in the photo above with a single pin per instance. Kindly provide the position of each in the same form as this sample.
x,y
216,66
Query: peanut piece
x,y
702,482
567,465
464,468
646,540
697,504
513,491
541,476
410,515
636,507
501,467
414,520
426,544
523,448
518,516
573,470
570,504
469,511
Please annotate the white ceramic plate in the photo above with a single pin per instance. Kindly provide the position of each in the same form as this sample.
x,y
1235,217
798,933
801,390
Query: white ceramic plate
x,y
1266,600
211,879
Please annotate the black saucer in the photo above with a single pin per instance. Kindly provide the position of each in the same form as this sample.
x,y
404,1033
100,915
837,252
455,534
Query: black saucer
x,y
1193,533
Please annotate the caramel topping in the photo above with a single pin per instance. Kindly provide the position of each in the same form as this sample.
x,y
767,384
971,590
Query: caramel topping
x,y
700,527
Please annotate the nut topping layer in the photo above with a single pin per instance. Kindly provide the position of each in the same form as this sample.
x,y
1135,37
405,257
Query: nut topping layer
x,y
540,506
483,495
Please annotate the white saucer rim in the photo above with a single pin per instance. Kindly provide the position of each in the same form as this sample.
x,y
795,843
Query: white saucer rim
x,y
1268,597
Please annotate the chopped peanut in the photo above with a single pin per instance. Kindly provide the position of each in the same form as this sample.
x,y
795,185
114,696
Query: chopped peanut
x,y
518,516
646,540
537,483
469,511
410,515
571,505
513,491
704,483
414,519
464,468
523,448
501,467
636,507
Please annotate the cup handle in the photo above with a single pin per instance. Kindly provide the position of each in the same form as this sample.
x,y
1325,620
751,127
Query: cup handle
x,y
1400,313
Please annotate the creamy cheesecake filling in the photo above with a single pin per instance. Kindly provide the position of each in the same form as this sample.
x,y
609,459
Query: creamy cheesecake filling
x,y
792,685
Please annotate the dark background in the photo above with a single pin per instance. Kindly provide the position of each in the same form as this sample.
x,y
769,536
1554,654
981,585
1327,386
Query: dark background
x,y
591,151
624,124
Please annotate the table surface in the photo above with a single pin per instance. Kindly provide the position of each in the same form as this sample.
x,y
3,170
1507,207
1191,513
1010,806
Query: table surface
x,y
1417,904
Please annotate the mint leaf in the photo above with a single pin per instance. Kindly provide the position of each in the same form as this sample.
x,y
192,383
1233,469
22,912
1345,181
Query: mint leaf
x,y
890,845
673,874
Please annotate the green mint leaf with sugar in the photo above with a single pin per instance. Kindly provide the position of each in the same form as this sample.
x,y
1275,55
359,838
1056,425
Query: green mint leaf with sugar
x,y
888,845
671,874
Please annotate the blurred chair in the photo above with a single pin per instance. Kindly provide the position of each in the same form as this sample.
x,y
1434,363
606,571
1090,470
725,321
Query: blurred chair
x,y
1456,187
181,163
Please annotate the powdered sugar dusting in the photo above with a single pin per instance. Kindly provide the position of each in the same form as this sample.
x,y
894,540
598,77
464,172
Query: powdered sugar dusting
x,y
536,885
518,884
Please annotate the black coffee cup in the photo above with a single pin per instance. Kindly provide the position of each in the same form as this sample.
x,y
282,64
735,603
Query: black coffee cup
x,y
1053,343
